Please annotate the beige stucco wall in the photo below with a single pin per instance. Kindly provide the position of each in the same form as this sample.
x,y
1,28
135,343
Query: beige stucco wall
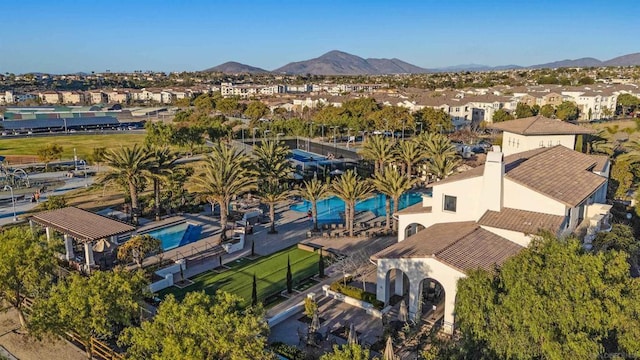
x,y
519,238
517,196
515,143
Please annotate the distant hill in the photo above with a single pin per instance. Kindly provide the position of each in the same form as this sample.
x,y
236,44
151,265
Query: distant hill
x,y
232,67
341,63
582,62
624,60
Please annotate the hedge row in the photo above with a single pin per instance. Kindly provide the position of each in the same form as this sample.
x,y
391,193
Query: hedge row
x,y
356,293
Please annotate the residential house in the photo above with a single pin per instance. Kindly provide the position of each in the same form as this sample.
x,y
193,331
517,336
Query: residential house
x,y
481,217
50,97
98,97
73,97
117,96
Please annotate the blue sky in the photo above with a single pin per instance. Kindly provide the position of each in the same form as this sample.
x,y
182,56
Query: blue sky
x,y
61,36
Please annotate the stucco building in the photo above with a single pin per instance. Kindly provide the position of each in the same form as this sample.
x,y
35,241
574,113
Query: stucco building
x,y
481,217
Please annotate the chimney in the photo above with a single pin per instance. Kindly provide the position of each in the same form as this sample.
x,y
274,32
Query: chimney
x,y
493,181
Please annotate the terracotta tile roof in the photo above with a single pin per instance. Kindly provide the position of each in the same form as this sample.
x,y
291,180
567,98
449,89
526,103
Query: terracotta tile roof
x,y
528,222
560,173
557,172
601,162
82,225
463,245
540,125
415,209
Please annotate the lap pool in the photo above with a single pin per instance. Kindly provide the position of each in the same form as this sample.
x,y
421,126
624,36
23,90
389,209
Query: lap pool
x,y
176,235
329,209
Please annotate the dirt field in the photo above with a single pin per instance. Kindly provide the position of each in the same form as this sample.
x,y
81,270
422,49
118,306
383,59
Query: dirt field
x,y
26,349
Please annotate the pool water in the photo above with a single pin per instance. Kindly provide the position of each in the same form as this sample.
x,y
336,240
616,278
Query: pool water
x,y
305,156
176,235
329,209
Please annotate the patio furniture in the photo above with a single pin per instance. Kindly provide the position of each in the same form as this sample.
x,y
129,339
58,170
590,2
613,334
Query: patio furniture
x,y
333,226
309,234
326,234
341,226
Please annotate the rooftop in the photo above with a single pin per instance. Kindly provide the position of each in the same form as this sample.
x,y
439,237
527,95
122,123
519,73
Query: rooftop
x,y
540,125
527,222
82,225
463,245
557,172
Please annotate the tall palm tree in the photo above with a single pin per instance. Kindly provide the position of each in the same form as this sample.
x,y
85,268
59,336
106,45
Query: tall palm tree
x,y
409,153
378,149
392,185
441,154
272,160
130,166
225,174
314,191
271,193
161,167
350,188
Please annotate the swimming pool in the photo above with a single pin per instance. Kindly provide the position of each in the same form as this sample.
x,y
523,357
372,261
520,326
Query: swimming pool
x,y
305,156
329,209
177,235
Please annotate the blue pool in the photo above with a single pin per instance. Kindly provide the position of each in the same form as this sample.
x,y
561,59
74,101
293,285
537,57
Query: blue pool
x,y
329,209
176,235
305,156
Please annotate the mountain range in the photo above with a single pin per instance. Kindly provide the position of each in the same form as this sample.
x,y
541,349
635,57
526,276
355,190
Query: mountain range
x,y
341,63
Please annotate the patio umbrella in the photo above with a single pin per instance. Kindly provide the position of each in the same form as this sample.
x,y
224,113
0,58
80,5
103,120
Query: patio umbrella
x,y
102,245
353,336
315,322
403,314
388,351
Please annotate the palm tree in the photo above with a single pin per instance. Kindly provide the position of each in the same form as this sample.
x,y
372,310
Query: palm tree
x,y
226,173
161,167
441,154
271,193
378,149
392,185
409,153
272,161
350,188
129,165
314,191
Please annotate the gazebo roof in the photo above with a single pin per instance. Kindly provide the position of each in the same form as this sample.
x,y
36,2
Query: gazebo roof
x,y
82,225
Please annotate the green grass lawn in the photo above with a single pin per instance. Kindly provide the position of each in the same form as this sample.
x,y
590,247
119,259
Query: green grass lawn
x,y
84,144
270,271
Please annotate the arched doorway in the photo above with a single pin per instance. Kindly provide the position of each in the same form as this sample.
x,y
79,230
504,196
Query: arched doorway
x,y
397,286
412,229
432,301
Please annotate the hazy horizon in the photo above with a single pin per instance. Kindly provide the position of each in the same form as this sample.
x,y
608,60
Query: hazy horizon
x,y
69,37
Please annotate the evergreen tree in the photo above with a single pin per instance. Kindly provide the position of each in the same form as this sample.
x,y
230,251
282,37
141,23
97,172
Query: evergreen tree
x,y
254,292
289,277
321,265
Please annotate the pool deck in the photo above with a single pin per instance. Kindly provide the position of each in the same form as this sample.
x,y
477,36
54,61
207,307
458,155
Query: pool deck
x,y
160,224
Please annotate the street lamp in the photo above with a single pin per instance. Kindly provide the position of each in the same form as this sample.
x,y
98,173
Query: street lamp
x,y
75,159
13,201
254,137
420,122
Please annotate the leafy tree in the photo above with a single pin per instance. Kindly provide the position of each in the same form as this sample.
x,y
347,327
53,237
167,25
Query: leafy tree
x,y
347,352
188,137
310,307
547,110
628,103
523,111
139,247
54,202
350,188
48,153
379,150
228,106
255,111
158,134
389,118
226,173
620,238
586,80
204,103
289,276
129,165
552,301
314,191
501,115
622,178
567,111
199,327
26,267
90,306
97,155
434,119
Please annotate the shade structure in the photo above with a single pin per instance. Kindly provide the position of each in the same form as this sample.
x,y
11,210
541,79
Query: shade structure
x,y
388,351
403,314
353,336
102,245
315,322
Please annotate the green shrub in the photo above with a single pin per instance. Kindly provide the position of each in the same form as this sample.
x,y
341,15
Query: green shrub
x,y
356,293
288,351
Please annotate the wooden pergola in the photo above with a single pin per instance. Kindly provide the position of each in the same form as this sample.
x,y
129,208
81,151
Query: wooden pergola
x,y
81,225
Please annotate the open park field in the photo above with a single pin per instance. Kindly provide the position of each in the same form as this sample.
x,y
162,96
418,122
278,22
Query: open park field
x,y
270,271
84,144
